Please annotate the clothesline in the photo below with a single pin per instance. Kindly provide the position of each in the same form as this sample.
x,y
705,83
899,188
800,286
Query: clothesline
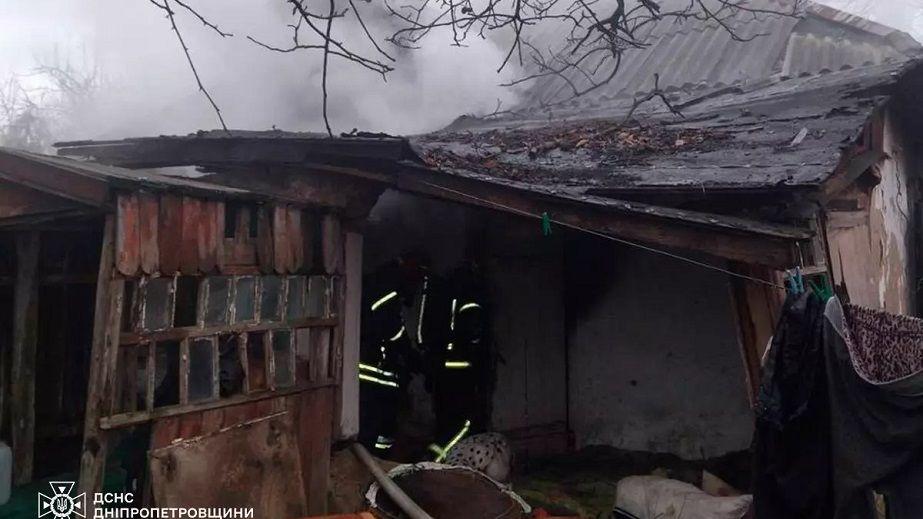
x,y
629,243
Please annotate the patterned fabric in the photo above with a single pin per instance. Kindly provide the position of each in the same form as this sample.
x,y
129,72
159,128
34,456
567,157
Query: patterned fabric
x,y
489,453
883,347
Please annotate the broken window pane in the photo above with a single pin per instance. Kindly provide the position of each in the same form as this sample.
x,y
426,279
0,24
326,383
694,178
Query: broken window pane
x,y
166,373
317,297
230,368
129,321
256,361
201,369
216,306
132,378
303,354
245,300
271,298
297,288
282,358
335,284
158,303
187,301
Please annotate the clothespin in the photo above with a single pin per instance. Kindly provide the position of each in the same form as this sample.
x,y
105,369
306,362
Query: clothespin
x,y
546,224
824,291
795,281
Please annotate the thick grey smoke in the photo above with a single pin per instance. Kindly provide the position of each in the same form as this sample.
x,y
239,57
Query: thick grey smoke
x,y
149,88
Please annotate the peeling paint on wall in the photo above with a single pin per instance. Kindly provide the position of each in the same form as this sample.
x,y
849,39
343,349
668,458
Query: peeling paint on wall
x,y
870,248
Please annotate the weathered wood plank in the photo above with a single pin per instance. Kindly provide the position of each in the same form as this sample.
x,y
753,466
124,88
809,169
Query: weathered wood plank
x,y
315,426
128,235
332,243
149,226
258,464
756,310
264,238
281,245
17,200
348,396
736,239
309,226
22,372
208,239
93,455
218,233
170,233
191,225
45,177
296,239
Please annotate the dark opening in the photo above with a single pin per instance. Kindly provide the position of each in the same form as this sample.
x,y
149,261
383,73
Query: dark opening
x,y
256,361
187,301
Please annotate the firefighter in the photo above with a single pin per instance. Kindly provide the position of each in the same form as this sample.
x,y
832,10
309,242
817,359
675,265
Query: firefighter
x,y
462,383
386,355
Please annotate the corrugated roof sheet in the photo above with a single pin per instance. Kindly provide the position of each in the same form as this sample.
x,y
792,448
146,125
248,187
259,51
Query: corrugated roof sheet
x,y
695,54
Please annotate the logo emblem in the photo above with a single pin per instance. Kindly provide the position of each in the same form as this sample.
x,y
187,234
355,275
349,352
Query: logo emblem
x,y
60,504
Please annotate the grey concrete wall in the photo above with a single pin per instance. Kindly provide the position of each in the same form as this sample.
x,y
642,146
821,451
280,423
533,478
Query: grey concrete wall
x,y
655,363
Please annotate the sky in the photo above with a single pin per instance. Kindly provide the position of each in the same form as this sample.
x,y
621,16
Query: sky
x,y
149,89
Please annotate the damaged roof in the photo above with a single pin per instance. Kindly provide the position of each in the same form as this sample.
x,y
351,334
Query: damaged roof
x,y
89,182
781,132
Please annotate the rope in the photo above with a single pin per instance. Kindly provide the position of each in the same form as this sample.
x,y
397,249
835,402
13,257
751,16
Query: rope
x,y
544,217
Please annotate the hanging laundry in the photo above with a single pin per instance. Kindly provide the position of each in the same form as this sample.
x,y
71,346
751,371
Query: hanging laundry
x,y
875,371
792,436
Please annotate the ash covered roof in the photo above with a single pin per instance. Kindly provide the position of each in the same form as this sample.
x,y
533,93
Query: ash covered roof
x,y
781,132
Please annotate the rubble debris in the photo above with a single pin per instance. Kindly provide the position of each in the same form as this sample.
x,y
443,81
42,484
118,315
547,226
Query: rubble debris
x,y
506,153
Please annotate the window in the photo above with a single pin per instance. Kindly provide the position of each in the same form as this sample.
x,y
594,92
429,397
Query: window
x,y
271,298
245,300
196,340
283,358
216,307
202,383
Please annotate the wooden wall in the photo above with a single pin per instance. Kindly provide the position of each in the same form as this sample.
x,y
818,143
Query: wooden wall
x,y
162,238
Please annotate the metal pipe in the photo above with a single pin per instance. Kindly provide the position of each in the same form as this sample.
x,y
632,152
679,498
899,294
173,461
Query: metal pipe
x,y
397,495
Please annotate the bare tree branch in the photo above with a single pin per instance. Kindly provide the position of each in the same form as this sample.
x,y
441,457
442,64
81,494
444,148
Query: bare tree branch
x,y
585,54
165,6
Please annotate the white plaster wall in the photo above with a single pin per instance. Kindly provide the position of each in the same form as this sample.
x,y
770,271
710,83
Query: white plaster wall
x,y
655,363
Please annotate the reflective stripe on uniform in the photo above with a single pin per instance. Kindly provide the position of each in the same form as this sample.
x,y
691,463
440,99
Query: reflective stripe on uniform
x,y
376,380
398,335
442,452
366,367
457,364
384,299
422,310
468,306
383,443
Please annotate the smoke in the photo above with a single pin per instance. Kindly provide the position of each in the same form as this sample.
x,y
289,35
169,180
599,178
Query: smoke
x,y
148,89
